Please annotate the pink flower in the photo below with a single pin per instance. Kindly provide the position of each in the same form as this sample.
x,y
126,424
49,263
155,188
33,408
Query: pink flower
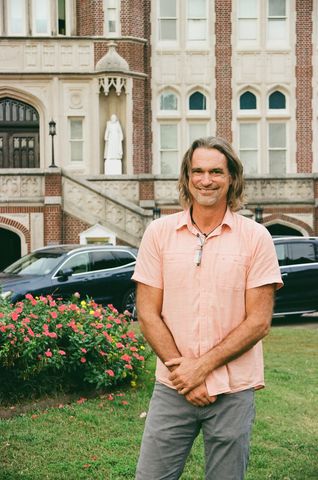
x,y
110,397
77,295
108,325
108,337
14,316
83,360
29,296
119,345
59,325
130,334
48,353
83,350
61,352
124,402
133,349
126,357
110,373
129,367
53,314
81,400
26,339
73,306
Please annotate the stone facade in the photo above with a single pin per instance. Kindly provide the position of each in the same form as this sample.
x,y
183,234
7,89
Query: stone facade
x,y
165,86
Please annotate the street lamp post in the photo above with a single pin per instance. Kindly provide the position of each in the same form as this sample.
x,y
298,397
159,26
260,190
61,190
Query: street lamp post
x,y
52,132
259,214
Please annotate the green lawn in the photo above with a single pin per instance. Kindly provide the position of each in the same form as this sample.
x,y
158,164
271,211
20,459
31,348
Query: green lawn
x,y
99,438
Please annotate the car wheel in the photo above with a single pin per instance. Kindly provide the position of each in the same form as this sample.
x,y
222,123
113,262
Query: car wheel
x,y
129,303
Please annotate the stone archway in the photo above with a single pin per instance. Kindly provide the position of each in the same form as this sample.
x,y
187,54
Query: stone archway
x,y
10,247
278,229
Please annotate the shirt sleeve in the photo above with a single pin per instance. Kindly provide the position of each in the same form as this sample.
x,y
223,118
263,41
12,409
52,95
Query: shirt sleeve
x,y
264,268
148,269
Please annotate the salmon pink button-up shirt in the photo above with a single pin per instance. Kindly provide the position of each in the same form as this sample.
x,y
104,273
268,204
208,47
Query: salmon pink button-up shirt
x,y
203,303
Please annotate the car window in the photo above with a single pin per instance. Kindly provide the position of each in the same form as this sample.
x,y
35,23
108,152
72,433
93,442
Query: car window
x,y
124,257
281,253
103,260
78,263
301,253
37,263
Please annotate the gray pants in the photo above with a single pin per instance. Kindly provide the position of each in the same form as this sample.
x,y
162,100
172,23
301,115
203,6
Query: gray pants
x,y
173,424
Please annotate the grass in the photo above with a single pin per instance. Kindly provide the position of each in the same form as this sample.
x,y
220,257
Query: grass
x,y
99,438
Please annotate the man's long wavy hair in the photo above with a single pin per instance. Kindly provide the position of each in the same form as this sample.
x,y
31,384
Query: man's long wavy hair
x,y
235,167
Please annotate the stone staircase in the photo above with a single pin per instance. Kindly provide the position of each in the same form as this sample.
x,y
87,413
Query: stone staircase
x,y
83,199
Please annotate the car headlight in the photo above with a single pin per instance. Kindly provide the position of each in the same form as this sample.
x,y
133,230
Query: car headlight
x,y
6,294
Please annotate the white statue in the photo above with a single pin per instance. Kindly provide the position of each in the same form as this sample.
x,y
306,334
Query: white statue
x,y
113,147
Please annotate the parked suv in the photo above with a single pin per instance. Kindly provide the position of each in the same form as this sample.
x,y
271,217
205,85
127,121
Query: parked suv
x,y
298,260
100,272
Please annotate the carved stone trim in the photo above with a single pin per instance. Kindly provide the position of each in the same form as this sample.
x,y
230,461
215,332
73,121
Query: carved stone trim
x,y
119,83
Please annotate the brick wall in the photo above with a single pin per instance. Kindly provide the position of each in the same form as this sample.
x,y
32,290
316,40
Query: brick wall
x,y
135,22
223,69
146,190
52,208
304,72
72,227
89,17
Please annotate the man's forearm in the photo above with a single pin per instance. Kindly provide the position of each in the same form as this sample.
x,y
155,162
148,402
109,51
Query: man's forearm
x,y
159,337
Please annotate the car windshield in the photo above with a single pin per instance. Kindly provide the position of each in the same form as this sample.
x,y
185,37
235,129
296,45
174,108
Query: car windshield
x,y
37,263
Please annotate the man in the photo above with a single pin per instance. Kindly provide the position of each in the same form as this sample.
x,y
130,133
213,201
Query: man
x,y
206,281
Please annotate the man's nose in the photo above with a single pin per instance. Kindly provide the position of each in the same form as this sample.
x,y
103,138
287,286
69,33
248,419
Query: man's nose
x,y
206,178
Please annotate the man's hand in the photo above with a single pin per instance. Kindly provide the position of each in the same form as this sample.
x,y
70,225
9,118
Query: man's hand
x,y
188,374
199,396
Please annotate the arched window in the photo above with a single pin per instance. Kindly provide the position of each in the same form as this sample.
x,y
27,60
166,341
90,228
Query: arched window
x,y
248,101
277,100
168,101
19,135
197,101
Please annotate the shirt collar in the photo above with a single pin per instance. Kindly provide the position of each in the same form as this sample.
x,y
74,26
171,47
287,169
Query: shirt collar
x,y
185,219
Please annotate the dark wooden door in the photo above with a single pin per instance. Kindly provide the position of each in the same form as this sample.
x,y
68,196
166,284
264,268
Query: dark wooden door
x,y
19,135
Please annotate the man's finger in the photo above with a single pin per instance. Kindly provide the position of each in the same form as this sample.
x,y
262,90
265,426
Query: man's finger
x,y
173,361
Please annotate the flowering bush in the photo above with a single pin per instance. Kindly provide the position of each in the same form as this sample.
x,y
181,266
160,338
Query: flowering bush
x,y
42,339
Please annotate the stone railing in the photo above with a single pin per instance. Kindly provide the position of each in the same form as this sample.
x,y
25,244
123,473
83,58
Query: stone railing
x,y
84,201
25,186
258,190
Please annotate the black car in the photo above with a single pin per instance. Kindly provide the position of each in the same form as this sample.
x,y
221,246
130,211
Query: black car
x,y
298,260
100,272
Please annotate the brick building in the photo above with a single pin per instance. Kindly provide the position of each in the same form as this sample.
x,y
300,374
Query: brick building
x,y
170,70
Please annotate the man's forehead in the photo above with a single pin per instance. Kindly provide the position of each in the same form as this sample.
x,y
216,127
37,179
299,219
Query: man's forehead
x,y
208,156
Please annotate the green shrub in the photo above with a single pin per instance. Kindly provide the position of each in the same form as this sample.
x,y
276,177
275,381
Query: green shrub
x,y
49,344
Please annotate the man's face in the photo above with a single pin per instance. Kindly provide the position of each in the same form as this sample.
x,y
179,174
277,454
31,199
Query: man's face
x,y
209,178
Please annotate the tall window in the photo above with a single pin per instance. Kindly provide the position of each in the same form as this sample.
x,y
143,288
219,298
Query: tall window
x,y
277,101
247,21
197,130
277,21
277,148
167,20
16,24
248,101
61,17
197,101
169,148
76,139
196,20
248,147
41,17
168,101
112,17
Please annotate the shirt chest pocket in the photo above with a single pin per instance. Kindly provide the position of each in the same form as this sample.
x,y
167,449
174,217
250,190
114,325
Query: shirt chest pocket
x,y
177,269
231,271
